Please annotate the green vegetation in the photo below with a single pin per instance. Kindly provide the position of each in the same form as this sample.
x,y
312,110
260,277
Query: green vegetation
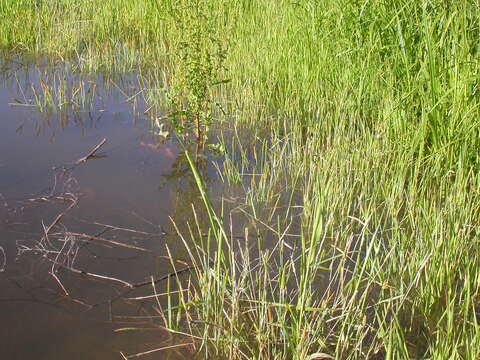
x,y
198,56
361,173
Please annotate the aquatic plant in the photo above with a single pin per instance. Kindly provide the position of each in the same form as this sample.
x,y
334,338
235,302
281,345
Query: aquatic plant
x,y
198,56
360,178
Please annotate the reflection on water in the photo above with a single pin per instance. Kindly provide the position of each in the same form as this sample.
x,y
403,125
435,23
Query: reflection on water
x,y
52,209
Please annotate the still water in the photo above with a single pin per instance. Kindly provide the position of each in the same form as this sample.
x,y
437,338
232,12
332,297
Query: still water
x,y
51,207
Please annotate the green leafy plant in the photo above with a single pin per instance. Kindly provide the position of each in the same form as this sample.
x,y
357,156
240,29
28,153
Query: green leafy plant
x,y
198,58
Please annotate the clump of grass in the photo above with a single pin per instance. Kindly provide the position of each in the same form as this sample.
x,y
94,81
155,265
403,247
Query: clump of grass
x,y
368,276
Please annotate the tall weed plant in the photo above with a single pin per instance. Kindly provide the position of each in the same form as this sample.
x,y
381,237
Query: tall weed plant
x,y
198,56
361,188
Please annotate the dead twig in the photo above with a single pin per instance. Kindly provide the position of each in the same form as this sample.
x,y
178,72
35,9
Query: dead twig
x,y
147,297
155,350
91,153
150,282
59,283
107,241
164,277
122,282
94,276
55,221
53,270
125,229
80,302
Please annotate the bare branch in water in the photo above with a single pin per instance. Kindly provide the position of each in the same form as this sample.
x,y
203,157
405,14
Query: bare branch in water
x,y
92,152
125,229
155,350
59,282
93,275
55,221
111,242
164,277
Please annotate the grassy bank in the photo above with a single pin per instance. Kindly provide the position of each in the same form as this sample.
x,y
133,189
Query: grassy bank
x,y
364,206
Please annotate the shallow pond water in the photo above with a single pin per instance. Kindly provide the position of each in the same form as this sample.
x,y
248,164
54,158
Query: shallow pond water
x,y
126,195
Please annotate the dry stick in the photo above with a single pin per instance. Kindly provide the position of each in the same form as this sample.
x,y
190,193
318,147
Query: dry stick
x,y
52,272
139,325
147,297
111,242
155,281
77,301
119,281
95,276
92,152
164,277
123,229
55,222
60,283
156,350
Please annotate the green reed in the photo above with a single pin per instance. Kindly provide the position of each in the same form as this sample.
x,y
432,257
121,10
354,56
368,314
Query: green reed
x,y
356,144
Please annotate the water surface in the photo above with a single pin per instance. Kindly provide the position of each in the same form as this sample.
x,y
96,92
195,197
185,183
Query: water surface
x,y
138,182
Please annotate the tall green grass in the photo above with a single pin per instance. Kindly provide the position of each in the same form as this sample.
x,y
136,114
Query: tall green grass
x,y
361,173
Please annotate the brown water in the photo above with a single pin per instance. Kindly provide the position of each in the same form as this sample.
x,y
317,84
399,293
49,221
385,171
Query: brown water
x,y
138,184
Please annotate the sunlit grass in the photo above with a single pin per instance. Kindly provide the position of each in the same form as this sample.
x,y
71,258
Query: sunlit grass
x,y
360,175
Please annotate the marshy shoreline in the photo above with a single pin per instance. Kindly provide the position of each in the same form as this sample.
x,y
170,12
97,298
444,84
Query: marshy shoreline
x,y
324,165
